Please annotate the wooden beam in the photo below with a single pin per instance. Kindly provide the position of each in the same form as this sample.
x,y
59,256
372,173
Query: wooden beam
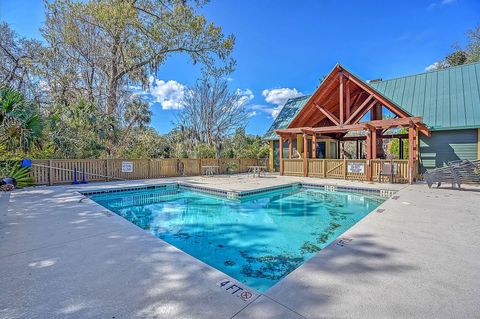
x,y
314,145
328,114
410,152
341,99
369,145
369,155
400,148
323,89
362,138
270,156
281,155
359,109
314,118
347,100
290,147
305,150
362,114
374,143
377,124
390,105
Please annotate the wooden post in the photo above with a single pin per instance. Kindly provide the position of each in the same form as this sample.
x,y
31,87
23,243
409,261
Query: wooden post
x,y
347,102
410,152
50,173
290,147
107,170
374,144
369,155
150,168
314,145
415,153
341,99
281,155
270,158
400,148
344,169
305,151
324,168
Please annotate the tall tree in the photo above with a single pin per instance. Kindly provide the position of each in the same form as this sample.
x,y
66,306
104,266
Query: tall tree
x,y
111,43
211,113
459,56
18,59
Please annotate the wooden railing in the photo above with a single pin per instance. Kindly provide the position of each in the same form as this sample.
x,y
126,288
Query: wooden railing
x,y
293,167
350,169
51,172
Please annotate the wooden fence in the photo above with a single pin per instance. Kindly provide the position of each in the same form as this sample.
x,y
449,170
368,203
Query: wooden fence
x,y
351,169
51,172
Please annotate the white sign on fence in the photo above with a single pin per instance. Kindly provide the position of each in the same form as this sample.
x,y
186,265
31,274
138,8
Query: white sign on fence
x,y
127,167
358,168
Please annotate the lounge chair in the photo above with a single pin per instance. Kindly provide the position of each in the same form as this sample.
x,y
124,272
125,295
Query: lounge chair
x,y
457,173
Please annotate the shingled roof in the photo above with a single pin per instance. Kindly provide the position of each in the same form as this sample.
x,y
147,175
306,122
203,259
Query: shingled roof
x,y
287,114
447,99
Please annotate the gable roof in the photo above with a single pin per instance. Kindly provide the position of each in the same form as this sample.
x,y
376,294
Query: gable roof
x,y
446,99
287,114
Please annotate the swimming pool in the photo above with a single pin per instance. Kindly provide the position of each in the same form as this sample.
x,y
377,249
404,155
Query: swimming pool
x,y
257,239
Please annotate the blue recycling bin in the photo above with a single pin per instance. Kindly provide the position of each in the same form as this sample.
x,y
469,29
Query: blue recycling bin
x,y
26,163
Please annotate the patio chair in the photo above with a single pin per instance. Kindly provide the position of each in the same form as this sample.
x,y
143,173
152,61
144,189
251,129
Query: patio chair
x,y
439,176
388,169
466,171
457,173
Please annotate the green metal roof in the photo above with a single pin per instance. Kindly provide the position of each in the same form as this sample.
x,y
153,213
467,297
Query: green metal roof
x,y
287,114
447,99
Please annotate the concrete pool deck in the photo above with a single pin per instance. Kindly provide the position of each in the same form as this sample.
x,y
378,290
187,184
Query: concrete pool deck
x,y
65,258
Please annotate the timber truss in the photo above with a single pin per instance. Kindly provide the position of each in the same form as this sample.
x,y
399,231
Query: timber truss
x,y
339,105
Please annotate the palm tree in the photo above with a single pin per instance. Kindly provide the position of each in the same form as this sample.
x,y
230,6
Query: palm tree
x,y
137,114
21,124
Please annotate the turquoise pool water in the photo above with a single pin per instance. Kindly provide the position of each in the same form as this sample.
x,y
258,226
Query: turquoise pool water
x,y
257,240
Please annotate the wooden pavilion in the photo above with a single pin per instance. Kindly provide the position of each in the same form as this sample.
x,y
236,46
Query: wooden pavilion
x,y
344,103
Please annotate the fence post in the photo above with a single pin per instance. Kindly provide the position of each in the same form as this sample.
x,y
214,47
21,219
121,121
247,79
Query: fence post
x,y
344,169
50,173
150,168
369,170
107,170
324,168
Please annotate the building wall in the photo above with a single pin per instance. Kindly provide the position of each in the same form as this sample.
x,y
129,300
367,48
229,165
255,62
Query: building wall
x,y
445,146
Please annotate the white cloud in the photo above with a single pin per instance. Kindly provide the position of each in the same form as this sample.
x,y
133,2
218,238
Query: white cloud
x,y
278,97
245,95
435,66
269,109
440,3
168,93
251,114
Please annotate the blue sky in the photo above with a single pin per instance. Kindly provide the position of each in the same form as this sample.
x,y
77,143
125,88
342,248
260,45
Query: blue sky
x,y
284,48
